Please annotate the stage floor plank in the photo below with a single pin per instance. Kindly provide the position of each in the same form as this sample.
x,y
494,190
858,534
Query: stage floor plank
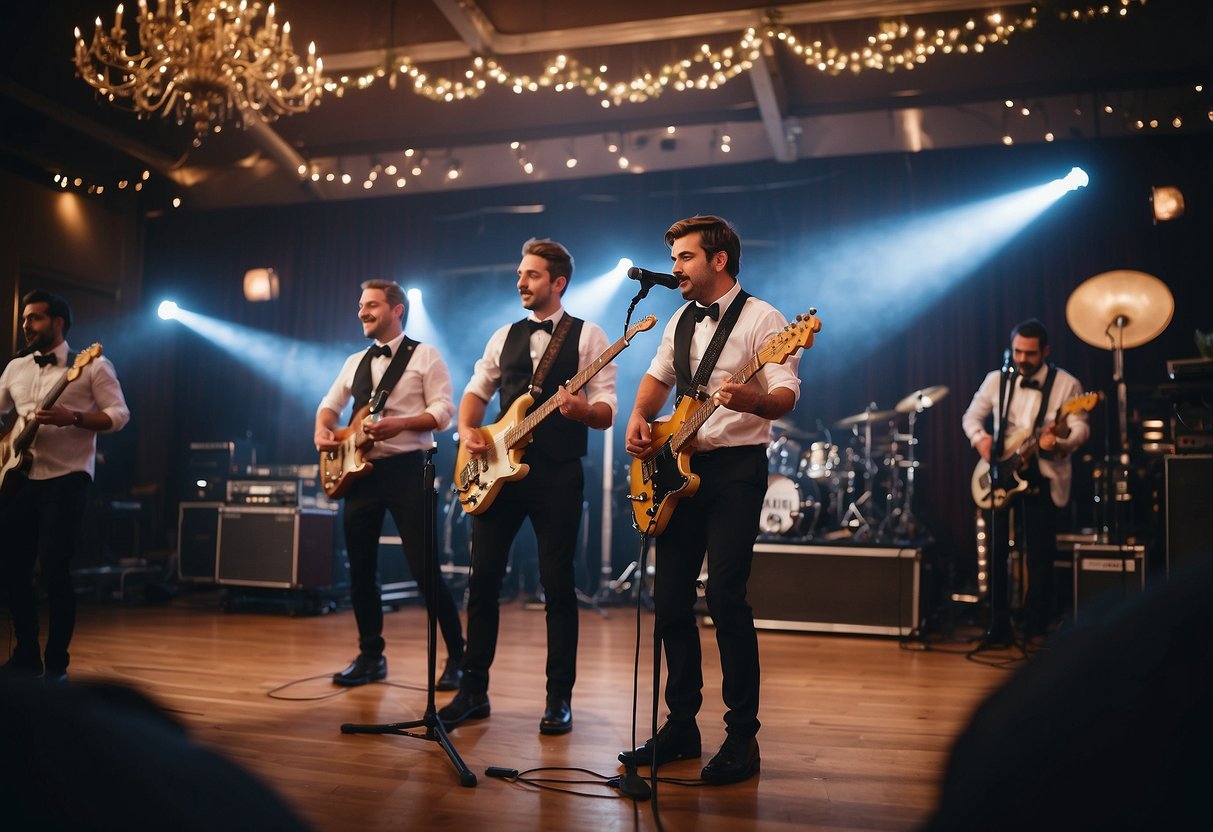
x,y
856,730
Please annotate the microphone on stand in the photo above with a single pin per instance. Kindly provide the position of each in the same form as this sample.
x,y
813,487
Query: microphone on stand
x,y
653,278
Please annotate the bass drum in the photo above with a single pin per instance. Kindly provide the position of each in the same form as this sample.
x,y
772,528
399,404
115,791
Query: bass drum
x,y
786,512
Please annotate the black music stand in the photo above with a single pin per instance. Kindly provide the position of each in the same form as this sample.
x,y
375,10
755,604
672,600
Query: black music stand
x,y
434,729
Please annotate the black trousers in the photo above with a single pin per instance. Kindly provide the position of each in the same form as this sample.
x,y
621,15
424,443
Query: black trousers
x,y
1035,533
551,496
41,524
721,520
394,484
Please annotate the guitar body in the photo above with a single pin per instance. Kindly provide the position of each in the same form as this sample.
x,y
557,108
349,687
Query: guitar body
x,y
658,481
14,460
347,462
479,479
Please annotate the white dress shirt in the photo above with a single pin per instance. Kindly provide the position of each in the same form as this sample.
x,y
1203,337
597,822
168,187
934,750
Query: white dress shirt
x,y
486,377
425,386
759,321
1025,402
62,450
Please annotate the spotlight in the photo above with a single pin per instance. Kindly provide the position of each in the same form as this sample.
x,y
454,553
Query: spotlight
x,y
260,285
1168,202
414,295
1075,179
167,310
453,170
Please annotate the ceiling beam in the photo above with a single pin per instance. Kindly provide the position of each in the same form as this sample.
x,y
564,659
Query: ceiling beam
x,y
479,36
771,95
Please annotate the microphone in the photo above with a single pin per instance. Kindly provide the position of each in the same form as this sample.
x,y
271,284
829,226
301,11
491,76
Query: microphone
x,y
656,278
1007,366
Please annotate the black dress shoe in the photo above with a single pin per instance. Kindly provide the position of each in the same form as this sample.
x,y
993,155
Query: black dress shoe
x,y
737,760
361,671
466,705
675,741
557,717
451,676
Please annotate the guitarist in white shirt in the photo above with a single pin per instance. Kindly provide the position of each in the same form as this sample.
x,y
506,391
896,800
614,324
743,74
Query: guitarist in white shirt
x,y
722,517
42,506
417,404
550,494
1048,472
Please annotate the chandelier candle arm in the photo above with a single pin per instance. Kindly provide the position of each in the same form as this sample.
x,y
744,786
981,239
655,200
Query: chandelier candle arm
x,y
206,61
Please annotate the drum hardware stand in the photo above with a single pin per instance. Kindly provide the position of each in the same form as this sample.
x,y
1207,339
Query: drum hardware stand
x,y
435,731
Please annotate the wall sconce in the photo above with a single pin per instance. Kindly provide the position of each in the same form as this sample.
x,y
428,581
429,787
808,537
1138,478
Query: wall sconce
x,y
1168,202
260,285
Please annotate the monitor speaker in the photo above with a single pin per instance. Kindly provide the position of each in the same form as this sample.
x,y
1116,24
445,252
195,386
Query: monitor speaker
x,y
1189,511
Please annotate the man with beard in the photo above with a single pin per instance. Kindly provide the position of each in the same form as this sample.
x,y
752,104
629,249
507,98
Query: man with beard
x,y
719,321
41,506
418,387
550,494
1031,402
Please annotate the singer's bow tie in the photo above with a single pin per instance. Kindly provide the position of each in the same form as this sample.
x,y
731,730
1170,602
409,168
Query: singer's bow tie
x,y
1031,384
702,312
535,326
381,349
44,360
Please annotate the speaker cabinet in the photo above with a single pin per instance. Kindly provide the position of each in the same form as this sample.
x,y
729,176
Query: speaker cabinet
x,y
845,589
197,541
286,548
1189,483
1106,574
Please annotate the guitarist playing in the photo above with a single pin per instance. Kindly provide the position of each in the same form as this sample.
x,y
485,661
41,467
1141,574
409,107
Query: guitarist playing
x,y
46,491
418,402
543,350
722,516
1033,394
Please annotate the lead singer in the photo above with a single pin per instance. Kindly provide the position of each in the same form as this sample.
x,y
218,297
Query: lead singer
x,y
722,517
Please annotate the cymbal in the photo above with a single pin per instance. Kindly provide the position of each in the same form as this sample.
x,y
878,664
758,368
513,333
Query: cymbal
x,y
921,399
790,429
865,416
1120,309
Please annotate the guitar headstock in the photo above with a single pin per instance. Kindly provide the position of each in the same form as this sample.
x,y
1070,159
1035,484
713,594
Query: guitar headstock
x,y
645,323
85,357
1085,401
796,335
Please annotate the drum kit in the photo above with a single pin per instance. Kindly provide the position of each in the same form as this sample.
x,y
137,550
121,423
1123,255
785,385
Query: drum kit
x,y
857,484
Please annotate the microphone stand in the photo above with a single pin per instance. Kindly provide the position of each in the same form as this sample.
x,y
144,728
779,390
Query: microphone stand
x,y
434,729
998,633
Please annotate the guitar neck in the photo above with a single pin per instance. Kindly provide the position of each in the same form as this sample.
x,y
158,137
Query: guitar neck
x,y
519,432
696,420
23,439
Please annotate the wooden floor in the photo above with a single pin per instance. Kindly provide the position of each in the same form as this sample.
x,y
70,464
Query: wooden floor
x,y
855,732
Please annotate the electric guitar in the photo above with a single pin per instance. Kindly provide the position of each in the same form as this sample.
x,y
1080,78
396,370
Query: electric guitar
x,y
1023,444
15,457
347,462
663,477
478,479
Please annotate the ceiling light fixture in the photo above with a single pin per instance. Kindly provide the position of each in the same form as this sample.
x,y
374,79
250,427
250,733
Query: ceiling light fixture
x,y
204,61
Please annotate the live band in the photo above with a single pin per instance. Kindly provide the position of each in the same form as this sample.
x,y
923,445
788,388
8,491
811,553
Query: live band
x,y
716,464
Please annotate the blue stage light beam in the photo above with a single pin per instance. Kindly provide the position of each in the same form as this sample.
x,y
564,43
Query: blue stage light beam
x,y
872,284
302,370
586,299
420,326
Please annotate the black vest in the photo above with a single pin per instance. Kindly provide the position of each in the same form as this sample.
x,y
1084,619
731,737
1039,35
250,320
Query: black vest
x,y
556,437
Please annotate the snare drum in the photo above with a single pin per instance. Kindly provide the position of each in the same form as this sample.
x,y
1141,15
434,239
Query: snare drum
x,y
784,512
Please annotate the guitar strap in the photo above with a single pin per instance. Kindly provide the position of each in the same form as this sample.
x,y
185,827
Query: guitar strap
x,y
549,355
1045,390
683,334
361,387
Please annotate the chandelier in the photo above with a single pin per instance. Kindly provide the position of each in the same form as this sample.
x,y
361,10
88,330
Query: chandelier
x,y
201,61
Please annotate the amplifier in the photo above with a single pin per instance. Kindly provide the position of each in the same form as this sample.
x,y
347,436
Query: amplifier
x,y
1107,573
276,492
197,541
287,548
843,589
210,464
1189,512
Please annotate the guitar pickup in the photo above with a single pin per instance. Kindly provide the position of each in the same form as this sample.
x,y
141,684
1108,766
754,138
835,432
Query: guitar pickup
x,y
638,498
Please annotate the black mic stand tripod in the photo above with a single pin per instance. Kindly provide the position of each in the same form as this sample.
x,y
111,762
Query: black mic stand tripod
x,y
434,729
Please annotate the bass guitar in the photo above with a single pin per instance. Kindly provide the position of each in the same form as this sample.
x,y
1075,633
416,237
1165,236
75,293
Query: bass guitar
x,y
663,477
478,479
15,457
347,462
1024,445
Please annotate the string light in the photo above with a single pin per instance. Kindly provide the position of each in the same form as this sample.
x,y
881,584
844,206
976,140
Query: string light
x,y
891,46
